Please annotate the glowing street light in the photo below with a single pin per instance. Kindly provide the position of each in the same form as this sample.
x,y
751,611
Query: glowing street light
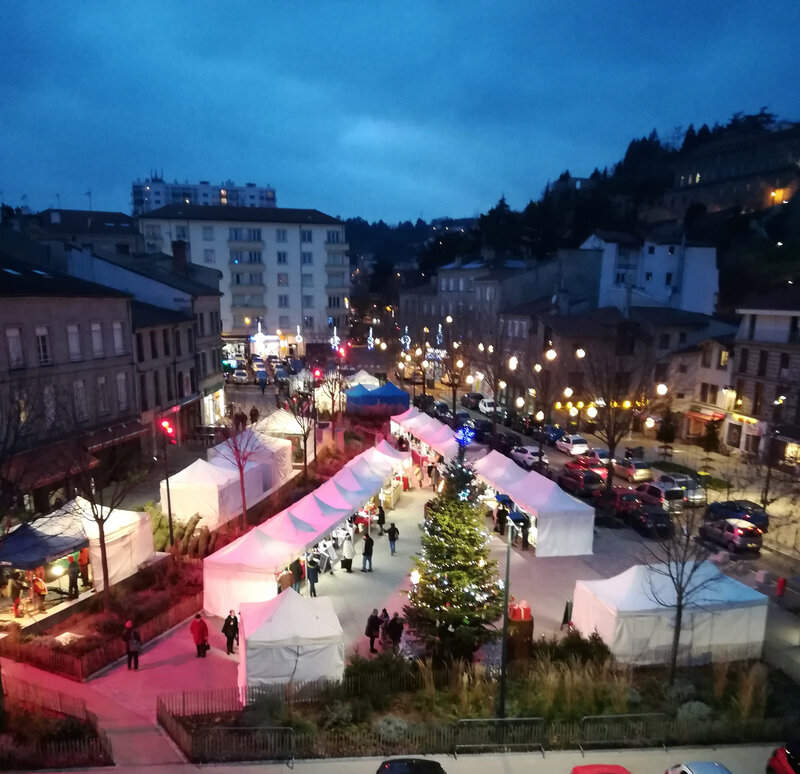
x,y
513,362
448,319
551,354
591,412
538,368
662,389
520,402
649,423
568,392
470,379
459,363
539,416
573,412
502,385
580,353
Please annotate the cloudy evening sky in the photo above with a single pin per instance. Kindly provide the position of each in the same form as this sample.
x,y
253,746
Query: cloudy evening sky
x,y
372,109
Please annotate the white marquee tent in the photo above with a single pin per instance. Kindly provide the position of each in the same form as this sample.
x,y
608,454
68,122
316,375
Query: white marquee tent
x,y
253,479
128,538
725,620
208,490
275,455
290,639
364,379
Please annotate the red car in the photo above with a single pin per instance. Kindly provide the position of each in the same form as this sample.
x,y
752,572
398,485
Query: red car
x,y
622,500
600,768
785,760
586,463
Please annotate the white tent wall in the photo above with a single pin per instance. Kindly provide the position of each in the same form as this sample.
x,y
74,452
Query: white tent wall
x,y
129,544
253,481
363,378
204,489
274,454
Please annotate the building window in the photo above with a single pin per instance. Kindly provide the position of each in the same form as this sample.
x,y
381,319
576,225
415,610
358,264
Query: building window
x,y
119,341
208,233
102,396
307,280
334,237
169,382
713,392
619,278
763,357
758,397
723,358
165,337
650,250
283,301
189,341
255,278
177,343
308,322
682,337
283,280
283,258
668,278
79,399
14,344
74,341
152,231
209,256
306,236
122,391
236,279
280,234
663,341
671,249
97,340
682,368
143,392
179,379
704,392
308,301
49,405
236,256
153,345
334,302
705,358
336,280
648,275
203,369
283,320
306,258
793,329
43,345
751,327
254,256
743,357
235,234
180,233
784,365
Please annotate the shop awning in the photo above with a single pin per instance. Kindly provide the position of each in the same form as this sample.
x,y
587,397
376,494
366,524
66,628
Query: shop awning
x,y
26,547
700,417
111,436
47,465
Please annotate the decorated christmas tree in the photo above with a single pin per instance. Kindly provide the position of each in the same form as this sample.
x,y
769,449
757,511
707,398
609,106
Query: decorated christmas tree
x,y
456,596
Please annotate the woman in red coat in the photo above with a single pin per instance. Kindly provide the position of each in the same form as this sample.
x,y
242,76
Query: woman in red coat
x,y
199,630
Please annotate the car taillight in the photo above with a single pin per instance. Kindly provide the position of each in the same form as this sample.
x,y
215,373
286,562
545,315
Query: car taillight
x,y
760,531
739,531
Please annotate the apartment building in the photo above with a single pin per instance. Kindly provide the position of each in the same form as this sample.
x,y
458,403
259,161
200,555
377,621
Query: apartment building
x,y
285,269
66,378
154,192
766,375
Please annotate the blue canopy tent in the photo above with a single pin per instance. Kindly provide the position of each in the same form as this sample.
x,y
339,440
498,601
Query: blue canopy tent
x,y
392,396
357,398
26,547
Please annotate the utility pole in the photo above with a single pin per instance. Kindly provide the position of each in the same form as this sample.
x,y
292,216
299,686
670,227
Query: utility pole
x,y
501,699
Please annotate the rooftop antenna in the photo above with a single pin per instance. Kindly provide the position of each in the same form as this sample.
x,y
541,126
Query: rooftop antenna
x,y
58,200
89,194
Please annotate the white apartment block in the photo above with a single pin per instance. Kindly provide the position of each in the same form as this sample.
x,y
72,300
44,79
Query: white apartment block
x,y
287,268
153,193
655,272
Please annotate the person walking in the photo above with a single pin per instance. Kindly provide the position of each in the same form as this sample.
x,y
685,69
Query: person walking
x,y
526,528
230,628
392,533
312,576
297,574
367,559
373,630
199,630
348,552
262,383
133,644
395,629
39,591
83,566
15,587
502,518
381,518
418,474
253,415
73,573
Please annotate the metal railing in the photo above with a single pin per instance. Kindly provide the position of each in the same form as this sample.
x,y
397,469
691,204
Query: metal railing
x,y
481,735
642,730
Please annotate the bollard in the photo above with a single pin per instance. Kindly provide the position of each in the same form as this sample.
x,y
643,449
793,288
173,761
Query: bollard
x,y
780,587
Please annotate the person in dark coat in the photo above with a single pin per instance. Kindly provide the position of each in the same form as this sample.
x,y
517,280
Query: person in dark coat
x,y
253,415
502,518
73,573
381,519
367,559
297,573
15,587
373,630
392,533
312,576
231,631
199,630
395,629
133,644
526,528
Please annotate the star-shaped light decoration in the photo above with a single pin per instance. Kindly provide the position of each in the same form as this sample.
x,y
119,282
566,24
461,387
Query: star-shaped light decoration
x,y
464,435
463,495
370,340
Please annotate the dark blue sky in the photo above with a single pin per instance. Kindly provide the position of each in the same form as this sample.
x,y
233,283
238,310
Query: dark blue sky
x,y
378,109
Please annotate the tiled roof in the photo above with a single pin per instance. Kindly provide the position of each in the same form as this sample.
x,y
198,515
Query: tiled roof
x,y
148,316
243,214
786,298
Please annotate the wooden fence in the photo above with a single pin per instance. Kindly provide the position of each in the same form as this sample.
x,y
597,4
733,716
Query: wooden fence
x,y
216,744
94,750
82,666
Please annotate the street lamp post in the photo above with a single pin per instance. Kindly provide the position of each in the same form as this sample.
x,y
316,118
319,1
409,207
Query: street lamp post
x,y
168,436
501,697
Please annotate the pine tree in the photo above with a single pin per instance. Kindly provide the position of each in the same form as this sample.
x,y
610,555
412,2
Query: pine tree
x,y
458,598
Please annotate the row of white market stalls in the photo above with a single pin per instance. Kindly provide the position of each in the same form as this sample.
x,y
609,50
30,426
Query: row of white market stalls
x,y
279,642
211,488
561,525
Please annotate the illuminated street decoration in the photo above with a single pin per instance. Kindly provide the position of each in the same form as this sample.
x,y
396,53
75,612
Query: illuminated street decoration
x,y
259,340
464,435
334,340
439,336
405,340
298,337
370,340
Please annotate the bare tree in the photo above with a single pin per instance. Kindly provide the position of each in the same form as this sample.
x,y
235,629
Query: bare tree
x,y
679,558
301,407
237,446
452,364
333,386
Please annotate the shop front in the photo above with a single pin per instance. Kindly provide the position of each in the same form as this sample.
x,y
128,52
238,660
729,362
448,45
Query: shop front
x,y
695,422
743,433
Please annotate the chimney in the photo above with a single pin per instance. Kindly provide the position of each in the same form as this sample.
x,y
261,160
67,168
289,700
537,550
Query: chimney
x,y
180,256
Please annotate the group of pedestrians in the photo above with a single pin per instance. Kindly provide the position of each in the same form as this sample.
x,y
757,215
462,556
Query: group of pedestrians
x,y
388,630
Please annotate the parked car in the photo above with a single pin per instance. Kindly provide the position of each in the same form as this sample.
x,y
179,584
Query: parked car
x,y
666,496
240,376
528,457
505,442
739,509
695,494
633,470
471,400
734,534
698,767
550,434
261,375
600,768
785,760
582,483
410,766
584,463
598,455
423,401
482,428
487,406
651,520
442,410
459,418
281,375
622,501
521,423
503,413
572,444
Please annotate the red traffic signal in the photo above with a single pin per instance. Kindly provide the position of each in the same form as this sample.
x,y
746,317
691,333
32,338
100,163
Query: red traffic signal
x,y
318,373
341,351
169,430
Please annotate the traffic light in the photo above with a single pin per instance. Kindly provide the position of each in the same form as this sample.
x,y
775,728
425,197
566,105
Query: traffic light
x,y
342,352
317,377
169,431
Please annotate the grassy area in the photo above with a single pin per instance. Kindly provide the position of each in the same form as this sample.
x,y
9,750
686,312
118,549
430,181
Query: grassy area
x,y
709,482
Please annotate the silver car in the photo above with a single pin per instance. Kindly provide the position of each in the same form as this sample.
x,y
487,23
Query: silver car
x,y
694,493
633,470
733,534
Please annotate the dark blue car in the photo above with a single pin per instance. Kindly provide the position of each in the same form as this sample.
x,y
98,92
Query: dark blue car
x,y
739,509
